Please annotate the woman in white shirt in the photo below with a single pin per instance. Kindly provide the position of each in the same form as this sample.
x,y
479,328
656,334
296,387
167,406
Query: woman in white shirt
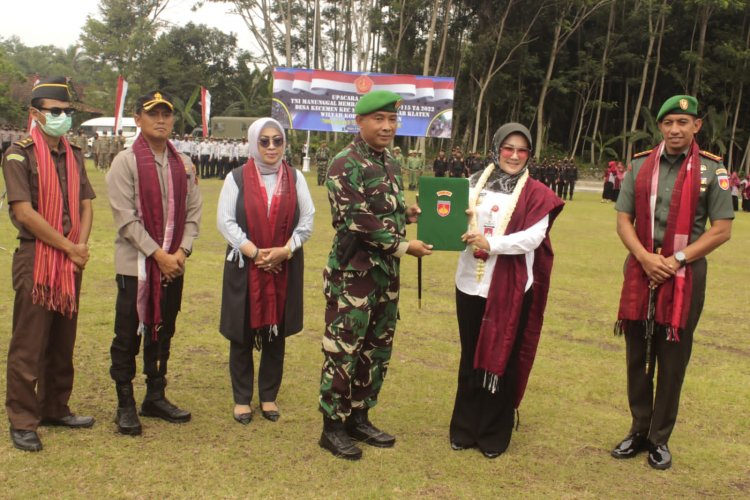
x,y
265,213
502,282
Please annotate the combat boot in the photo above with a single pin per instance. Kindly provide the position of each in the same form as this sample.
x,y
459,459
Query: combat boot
x,y
359,428
335,439
126,418
155,404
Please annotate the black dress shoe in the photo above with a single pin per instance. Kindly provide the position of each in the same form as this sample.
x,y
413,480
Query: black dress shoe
x,y
339,444
25,440
459,447
163,409
128,422
491,454
272,415
243,418
71,421
629,447
659,456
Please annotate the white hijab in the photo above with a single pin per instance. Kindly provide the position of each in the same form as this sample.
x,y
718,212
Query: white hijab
x,y
253,133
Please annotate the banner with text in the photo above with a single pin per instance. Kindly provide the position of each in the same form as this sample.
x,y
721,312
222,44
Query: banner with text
x,y
306,99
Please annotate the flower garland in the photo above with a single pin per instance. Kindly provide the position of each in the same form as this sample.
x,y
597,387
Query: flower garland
x,y
480,254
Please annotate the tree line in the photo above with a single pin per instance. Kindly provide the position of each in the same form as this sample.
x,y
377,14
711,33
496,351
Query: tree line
x,y
586,76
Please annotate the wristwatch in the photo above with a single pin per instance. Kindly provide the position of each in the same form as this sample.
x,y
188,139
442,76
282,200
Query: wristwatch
x,y
681,258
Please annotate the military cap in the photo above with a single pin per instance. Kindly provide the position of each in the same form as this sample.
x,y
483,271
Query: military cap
x,y
679,104
148,101
378,100
52,88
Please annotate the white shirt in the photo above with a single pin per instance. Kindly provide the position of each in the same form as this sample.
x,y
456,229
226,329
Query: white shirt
x,y
226,218
489,212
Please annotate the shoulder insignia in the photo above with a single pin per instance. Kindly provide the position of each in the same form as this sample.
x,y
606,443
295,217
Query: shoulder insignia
x,y
722,171
642,153
15,156
25,142
711,156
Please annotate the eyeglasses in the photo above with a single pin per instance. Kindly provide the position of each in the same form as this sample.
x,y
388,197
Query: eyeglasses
x,y
507,151
264,142
58,111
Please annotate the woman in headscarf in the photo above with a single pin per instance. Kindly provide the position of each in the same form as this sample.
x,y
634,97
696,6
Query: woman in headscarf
x,y
265,213
609,182
502,282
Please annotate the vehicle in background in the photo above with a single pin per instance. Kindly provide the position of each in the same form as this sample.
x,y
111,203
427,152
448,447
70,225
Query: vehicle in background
x,y
227,127
105,125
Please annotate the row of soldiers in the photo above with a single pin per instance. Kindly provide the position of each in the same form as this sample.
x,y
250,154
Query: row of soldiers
x,y
457,165
9,135
560,175
104,148
212,156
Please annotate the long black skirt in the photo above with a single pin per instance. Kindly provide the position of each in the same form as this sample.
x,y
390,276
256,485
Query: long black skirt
x,y
480,418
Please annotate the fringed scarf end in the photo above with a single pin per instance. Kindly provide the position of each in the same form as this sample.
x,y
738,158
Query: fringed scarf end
x,y
673,334
491,382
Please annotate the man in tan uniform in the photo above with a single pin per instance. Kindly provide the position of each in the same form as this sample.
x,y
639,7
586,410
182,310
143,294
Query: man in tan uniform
x,y
147,184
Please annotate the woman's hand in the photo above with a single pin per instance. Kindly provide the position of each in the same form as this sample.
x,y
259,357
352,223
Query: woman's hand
x,y
270,259
476,239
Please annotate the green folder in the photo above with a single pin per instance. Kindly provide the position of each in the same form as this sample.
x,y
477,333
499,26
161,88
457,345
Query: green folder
x,y
443,220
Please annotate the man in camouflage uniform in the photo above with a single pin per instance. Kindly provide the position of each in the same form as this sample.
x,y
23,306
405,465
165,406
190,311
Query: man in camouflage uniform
x,y
361,280
669,264
322,155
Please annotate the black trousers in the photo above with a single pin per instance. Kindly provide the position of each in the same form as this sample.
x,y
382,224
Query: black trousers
x,y
654,415
270,372
481,418
204,166
126,343
571,189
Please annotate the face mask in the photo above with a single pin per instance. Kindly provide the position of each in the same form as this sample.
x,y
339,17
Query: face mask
x,y
56,126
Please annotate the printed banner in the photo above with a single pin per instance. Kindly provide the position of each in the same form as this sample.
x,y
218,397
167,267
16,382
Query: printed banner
x,y
306,99
122,92
205,109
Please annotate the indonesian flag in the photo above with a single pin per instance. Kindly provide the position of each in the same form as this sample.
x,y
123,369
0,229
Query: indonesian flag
x,y
122,92
205,109
32,123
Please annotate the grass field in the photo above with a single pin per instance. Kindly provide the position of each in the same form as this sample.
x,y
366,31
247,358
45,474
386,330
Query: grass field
x,y
574,411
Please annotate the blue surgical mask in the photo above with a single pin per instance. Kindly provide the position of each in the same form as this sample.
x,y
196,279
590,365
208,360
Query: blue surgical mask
x,y
56,126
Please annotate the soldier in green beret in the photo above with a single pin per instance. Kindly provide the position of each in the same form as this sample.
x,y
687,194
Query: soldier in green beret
x,y
361,279
666,198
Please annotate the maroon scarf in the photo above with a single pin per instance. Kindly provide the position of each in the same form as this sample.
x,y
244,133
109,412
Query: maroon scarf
x,y
502,313
54,273
268,228
151,212
673,296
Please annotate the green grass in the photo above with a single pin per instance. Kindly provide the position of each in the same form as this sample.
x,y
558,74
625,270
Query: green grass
x,y
574,411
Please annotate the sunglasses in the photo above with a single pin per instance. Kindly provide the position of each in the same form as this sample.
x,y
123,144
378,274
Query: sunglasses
x,y
508,152
59,111
264,142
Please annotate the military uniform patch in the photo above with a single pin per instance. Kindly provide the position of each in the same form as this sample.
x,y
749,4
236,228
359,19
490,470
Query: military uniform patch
x,y
642,153
15,156
723,179
711,156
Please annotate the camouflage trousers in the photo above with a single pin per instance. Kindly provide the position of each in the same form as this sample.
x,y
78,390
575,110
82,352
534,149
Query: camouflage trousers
x,y
322,171
361,310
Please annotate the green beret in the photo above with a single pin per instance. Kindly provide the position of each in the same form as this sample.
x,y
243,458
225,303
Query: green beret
x,y
679,104
52,88
378,100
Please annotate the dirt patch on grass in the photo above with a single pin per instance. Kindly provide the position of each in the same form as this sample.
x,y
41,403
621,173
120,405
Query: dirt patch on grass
x,y
593,342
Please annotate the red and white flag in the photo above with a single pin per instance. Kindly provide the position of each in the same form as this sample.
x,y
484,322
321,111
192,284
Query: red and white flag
x,y
205,109
122,92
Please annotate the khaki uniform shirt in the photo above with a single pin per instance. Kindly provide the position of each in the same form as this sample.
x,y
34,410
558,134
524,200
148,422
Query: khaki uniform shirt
x,y
22,180
714,202
122,187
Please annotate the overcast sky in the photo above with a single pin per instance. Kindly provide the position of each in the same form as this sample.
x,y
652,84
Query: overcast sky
x,y
54,22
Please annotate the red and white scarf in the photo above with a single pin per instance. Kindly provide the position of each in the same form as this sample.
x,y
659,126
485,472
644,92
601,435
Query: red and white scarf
x,y
673,296
54,273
